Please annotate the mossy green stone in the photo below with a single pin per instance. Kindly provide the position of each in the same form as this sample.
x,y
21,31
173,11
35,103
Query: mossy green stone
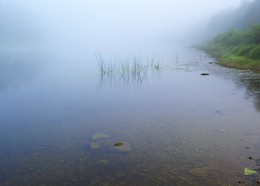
x,y
123,146
117,144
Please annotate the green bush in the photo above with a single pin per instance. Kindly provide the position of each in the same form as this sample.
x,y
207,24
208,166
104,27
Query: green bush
x,y
237,48
231,38
234,49
255,53
253,35
244,50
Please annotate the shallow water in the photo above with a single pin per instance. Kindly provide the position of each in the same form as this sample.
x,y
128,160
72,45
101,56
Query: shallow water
x,y
180,128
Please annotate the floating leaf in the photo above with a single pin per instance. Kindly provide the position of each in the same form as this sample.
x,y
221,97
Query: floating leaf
x,y
248,171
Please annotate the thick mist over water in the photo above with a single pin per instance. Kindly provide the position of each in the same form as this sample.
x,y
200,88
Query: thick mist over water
x,y
105,92
109,24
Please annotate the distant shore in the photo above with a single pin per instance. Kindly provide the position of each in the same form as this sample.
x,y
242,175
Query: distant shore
x,y
236,49
231,60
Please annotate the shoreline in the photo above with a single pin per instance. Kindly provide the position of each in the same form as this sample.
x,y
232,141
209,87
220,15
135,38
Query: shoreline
x,y
230,60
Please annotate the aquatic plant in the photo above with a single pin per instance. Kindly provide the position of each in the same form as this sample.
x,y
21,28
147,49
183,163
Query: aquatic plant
x,y
104,68
126,70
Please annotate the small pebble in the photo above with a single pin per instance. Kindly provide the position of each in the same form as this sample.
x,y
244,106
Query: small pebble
x,y
204,74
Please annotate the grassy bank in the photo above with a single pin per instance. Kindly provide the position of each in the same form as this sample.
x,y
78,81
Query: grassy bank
x,y
237,48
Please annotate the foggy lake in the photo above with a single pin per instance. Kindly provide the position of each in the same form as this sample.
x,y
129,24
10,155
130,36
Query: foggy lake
x,y
117,109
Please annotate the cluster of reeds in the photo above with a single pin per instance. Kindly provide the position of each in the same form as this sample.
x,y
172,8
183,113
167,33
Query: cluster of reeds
x,y
126,70
128,66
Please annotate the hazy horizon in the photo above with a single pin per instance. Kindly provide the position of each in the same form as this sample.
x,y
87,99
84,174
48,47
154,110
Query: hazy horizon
x,y
102,22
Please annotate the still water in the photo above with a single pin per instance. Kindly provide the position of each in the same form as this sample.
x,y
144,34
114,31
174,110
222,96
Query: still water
x,y
60,118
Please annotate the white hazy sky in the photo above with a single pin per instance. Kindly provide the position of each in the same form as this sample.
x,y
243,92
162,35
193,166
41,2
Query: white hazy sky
x,y
131,9
123,18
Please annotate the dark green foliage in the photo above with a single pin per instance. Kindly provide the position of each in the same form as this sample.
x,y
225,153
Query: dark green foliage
x,y
255,53
231,38
253,35
242,43
234,49
237,48
242,50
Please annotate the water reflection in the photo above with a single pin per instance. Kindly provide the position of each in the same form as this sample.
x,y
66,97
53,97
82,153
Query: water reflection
x,y
175,133
252,83
17,67
126,80
249,80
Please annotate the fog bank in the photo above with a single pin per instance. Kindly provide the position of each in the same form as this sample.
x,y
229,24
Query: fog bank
x,y
104,23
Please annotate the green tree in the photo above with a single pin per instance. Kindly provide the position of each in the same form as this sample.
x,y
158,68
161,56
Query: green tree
x,y
253,35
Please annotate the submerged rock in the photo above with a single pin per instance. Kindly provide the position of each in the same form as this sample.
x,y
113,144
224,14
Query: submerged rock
x,y
123,146
94,146
98,136
117,144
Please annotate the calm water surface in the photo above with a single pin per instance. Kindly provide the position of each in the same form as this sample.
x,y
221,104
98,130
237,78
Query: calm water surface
x,y
60,119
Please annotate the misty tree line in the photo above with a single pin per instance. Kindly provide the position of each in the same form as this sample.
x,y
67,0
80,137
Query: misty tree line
x,y
238,42
245,16
239,34
236,37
